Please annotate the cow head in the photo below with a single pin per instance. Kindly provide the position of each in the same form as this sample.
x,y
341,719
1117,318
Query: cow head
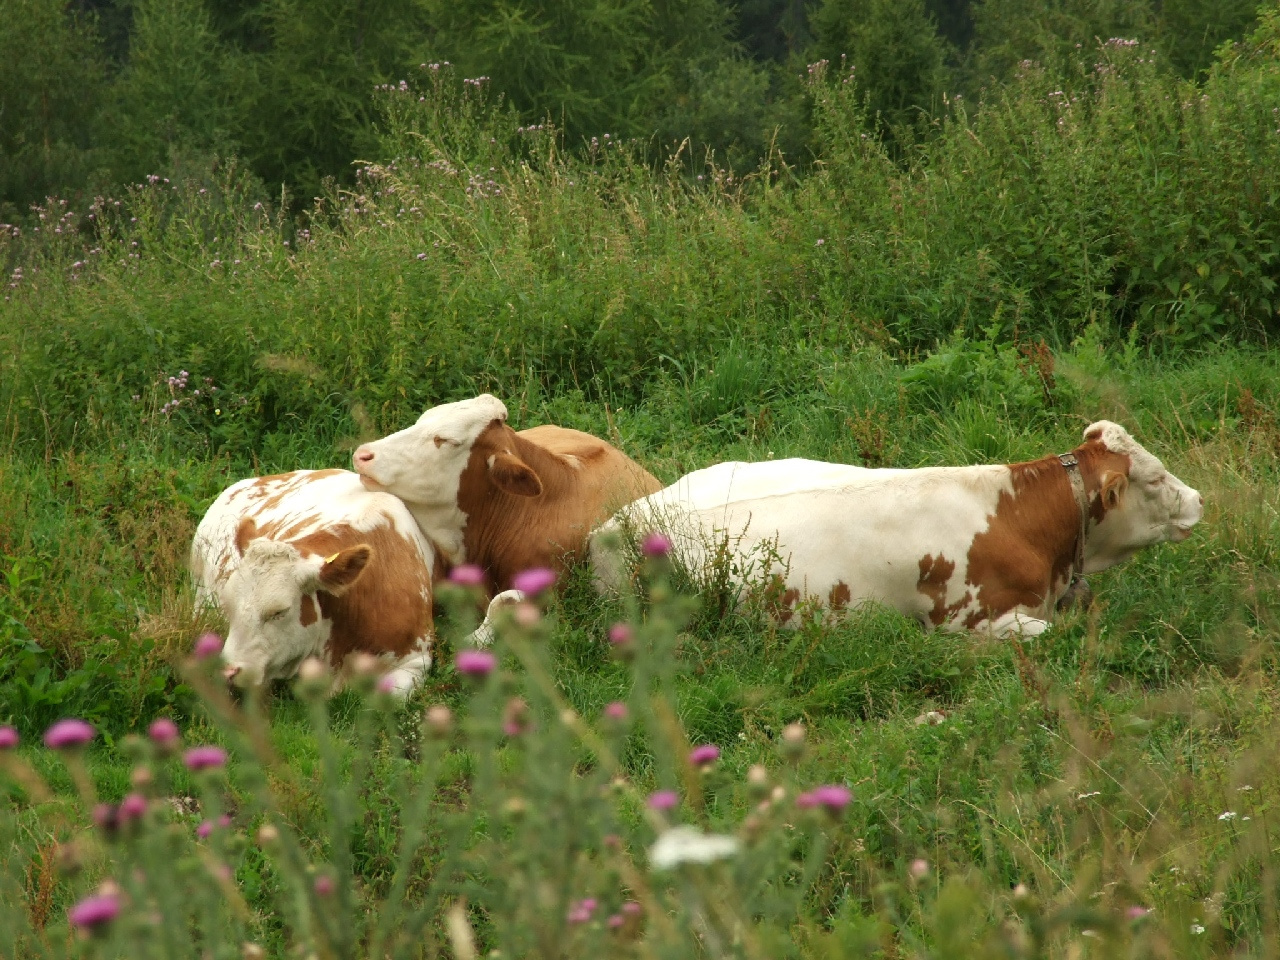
x,y
272,608
1134,501
423,464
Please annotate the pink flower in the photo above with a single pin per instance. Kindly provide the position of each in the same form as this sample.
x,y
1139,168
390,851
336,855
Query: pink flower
x,y
616,711
209,645
68,733
703,755
205,829
663,800
832,797
1136,912
656,545
919,868
132,807
467,575
92,912
164,733
581,911
105,816
387,684
620,634
632,908
323,885
534,581
475,663
9,738
615,921
205,758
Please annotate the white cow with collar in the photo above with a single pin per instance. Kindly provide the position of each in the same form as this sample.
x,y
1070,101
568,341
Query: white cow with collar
x,y
980,548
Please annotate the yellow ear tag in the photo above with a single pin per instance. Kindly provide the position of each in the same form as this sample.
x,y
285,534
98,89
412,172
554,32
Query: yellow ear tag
x,y
332,558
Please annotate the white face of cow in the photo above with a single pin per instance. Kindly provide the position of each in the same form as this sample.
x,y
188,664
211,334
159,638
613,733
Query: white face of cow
x,y
273,611
1145,506
422,464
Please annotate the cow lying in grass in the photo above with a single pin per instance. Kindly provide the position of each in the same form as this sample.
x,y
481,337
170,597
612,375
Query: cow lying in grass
x,y
988,548
505,501
312,564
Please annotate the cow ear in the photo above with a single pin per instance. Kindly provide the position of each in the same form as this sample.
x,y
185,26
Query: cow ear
x,y
246,532
512,475
343,569
1114,486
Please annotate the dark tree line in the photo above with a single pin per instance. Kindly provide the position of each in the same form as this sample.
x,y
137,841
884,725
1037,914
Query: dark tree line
x,y
100,92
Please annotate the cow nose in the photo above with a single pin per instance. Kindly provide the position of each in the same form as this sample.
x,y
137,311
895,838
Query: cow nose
x,y
229,673
363,457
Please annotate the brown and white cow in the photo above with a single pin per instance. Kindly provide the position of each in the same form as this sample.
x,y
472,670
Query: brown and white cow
x,y
505,501
981,548
311,563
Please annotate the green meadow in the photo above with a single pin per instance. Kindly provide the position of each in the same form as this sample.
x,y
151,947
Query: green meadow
x,y
1039,261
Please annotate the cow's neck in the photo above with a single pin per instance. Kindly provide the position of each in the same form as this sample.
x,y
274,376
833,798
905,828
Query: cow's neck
x,y
1044,512
444,527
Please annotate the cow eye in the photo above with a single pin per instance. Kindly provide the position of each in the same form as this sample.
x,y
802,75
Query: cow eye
x,y
441,441
275,616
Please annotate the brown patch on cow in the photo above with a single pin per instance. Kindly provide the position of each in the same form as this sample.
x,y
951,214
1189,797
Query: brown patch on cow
x,y
246,533
309,614
388,609
1025,555
935,575
584,481
839,596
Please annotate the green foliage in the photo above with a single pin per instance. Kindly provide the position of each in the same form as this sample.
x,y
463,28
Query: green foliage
x,y
51,75
892,50
174,95
1189,31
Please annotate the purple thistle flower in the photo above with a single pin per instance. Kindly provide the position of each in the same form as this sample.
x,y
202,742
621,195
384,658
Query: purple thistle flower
x,y
105,816
663,800
615,921
68,733
656,545
632,908
833,797
205,758
9,738
164,733
209,645
475,663
617,710
132,807
93,912
324,885
620,634
205,829
1136,912
703,755
387,684
467,575
534,581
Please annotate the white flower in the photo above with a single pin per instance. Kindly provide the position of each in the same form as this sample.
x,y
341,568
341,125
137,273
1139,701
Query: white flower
x,y
1228,815
1197,928
686,844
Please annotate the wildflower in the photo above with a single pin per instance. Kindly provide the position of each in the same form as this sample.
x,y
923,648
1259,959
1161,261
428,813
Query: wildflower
x,y
919,868
686,844
267,835
704,755
656,545
615,921
209,644
534,581
663,800
422,256
581,911
1227,815
819,242
387,684
515,717
632,908
1136,912
205,758
1197,928
475,663
617,710
105,817
132,807
68,733
205,829
92,913
620,634
323,885
793,737
164,733
439,720
467,575
8,738
831,797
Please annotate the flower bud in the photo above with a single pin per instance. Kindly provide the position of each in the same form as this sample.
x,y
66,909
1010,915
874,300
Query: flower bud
x,y
793,738
267,835
313,678
439,721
